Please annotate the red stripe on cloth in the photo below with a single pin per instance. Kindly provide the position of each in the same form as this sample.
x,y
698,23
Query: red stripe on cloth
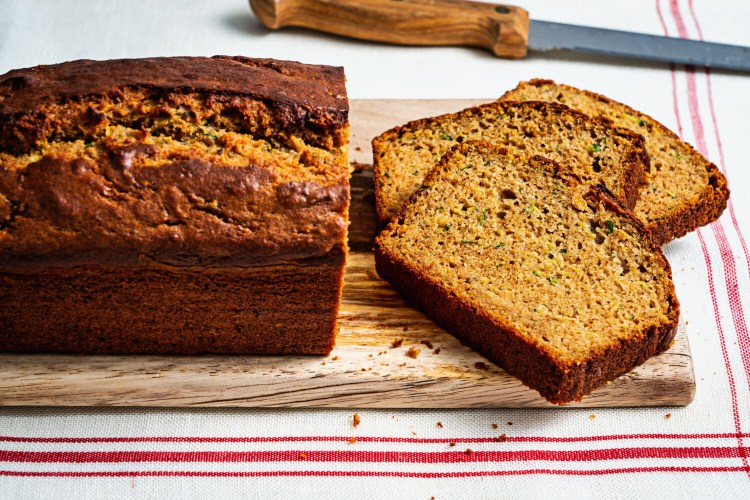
x,y
733,292
722,165
675,104
722,339
364,439
339,456
695,20
733,287
421,475
695,118
725,250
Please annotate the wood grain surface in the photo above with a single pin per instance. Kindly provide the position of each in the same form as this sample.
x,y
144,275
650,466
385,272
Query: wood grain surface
x,y
365,370
504,30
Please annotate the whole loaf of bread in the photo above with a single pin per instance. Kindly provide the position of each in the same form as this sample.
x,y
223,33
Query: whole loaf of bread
x,y
173,205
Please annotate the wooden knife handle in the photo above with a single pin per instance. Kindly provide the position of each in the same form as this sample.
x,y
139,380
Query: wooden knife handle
x,y
502,29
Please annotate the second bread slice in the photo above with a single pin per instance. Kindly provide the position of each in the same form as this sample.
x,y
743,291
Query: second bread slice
x,y
595,150
684,189
551,279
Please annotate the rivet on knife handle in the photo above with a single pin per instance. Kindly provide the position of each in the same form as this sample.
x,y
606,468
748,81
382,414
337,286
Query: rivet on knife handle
x,y
502,29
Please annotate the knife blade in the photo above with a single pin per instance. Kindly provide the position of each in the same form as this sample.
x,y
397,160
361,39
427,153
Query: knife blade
x,y
544,36
503,29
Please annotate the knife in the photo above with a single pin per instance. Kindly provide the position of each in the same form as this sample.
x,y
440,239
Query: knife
x,y
503,29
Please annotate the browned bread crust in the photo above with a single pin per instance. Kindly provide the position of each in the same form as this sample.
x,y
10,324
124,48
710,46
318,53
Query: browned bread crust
x,y
299,94
500,343
281,309
499,338
551,129
204,199
665,148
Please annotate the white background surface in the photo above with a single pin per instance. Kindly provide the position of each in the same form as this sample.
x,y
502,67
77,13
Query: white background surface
x,y
44,32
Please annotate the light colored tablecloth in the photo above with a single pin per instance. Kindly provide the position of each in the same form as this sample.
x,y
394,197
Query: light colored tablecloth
x,y
700,451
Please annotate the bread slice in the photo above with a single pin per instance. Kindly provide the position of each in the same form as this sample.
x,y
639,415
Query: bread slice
x,y
684,190
595,150
553,280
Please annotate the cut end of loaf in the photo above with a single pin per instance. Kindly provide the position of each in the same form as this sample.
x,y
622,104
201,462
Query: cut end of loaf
x,y
543,275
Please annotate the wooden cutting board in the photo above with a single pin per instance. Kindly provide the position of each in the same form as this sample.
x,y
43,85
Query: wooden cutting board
x,y
365,370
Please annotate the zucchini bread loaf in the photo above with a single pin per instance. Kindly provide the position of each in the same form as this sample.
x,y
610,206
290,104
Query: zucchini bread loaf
x,y
597,152
173,205
553,280
683,191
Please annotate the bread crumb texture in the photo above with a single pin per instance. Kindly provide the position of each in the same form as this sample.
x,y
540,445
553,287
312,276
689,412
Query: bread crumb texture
x,y
597,152
681,183
520,242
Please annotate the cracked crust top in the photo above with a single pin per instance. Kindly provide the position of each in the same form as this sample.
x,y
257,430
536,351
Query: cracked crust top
x,y
173,161
299,92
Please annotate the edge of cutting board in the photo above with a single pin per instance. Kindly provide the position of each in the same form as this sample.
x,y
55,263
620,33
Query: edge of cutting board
x,y
363,371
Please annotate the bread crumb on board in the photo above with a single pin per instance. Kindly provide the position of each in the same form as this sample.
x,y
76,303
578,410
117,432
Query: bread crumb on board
x,y
397,343
356,420
413,352
436,351
427,343
356,167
